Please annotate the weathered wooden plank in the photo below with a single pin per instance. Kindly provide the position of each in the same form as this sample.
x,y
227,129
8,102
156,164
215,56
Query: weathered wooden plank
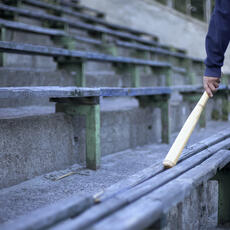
x,y
155,50
168,175
144,212
140,91
75,24
157,168
203,144
49,215
41,30
127,196
29,49
65,92
85,16
179,69
138,215
30,28
48,91
195,88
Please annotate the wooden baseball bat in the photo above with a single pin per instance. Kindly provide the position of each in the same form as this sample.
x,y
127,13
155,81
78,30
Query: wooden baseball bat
x,y
186,131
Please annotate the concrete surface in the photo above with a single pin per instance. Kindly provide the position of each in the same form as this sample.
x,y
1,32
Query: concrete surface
x,y
172,27
46,189
35,145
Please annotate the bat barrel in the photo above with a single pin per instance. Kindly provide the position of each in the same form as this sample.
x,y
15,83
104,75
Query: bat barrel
x,y
168,164
186,131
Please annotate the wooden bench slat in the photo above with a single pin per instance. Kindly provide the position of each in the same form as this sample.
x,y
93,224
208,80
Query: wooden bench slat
x,y
84,16
41,30
156,50
150,208
74,23
63,92
54,32
49,215
48,91
29,49
195,88
108,91
31,28
157,168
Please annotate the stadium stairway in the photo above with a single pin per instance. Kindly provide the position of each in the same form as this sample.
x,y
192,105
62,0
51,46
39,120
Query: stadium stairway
x,y
79,93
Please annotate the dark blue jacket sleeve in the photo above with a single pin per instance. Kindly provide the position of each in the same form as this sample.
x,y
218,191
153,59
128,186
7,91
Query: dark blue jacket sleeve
x,y
217,38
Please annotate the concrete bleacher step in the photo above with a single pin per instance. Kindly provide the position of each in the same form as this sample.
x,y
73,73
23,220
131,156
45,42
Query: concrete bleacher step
x,y
25,76
136,72
23,198
121,123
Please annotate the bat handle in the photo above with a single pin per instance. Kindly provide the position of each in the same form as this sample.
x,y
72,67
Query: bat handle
x,y
186,131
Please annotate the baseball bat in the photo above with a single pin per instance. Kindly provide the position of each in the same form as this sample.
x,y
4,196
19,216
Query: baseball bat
x,y
186,131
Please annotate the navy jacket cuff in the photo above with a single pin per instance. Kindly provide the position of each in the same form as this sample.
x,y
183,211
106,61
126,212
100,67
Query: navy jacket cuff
x,y
212,72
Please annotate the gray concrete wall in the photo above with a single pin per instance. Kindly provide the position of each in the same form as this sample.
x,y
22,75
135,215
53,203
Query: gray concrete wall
x,y
172,27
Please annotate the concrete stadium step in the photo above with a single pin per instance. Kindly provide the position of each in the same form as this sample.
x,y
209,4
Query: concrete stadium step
x,y
136,72
59,139
97,74
77,181
25,76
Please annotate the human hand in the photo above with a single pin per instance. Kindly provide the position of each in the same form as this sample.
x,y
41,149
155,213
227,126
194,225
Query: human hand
x,y
211,84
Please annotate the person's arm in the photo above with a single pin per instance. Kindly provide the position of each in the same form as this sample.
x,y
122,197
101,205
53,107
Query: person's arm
x,y
216,44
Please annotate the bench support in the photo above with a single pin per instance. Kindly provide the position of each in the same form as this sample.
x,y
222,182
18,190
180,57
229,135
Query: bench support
x,y
164,75
194,98
64,42
223,178
224,106
131,71
190,73
90,108
110,49
162,102
223,112
168,76
135,76
3,38
75,67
